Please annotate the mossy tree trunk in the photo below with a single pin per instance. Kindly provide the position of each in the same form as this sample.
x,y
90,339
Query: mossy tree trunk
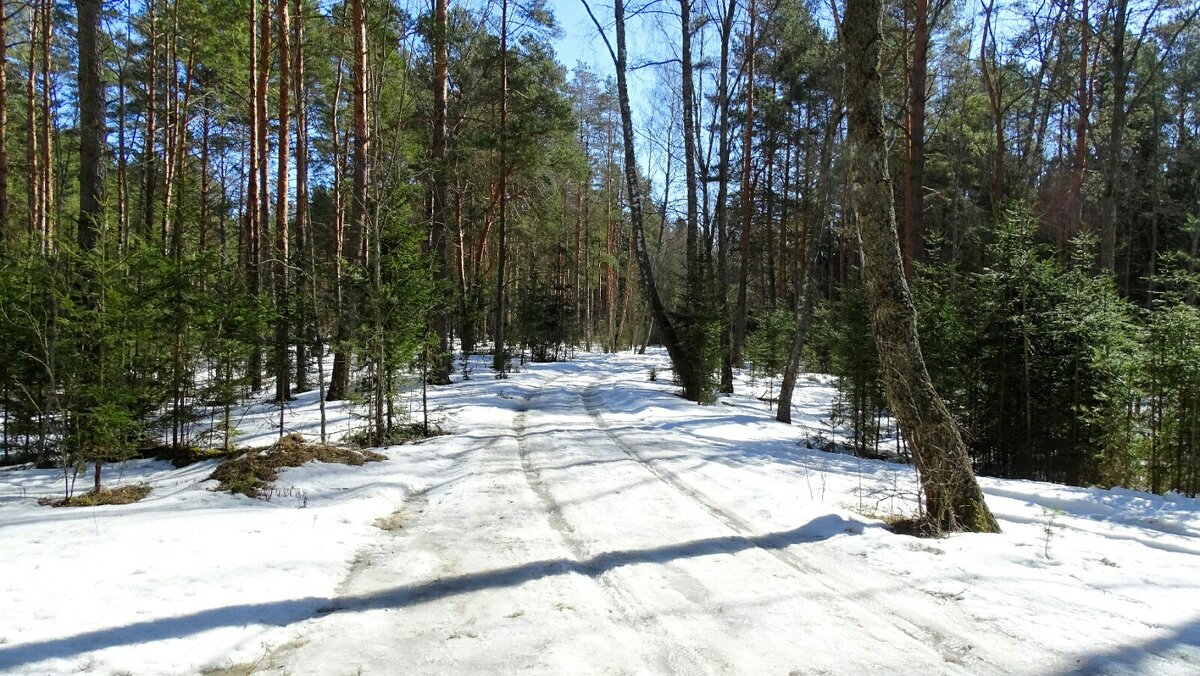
x,y
953,499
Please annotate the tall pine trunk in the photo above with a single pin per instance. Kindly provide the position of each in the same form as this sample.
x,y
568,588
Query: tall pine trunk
x,y
149,157
283,364
304,320
3,124
46,143
357,226
254,187
500,352
739,319
91,125
91,190
33,156
439,373
914,157
723,141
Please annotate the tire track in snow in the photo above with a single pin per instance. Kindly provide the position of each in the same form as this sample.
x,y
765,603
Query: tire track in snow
x,y
931,636
672,656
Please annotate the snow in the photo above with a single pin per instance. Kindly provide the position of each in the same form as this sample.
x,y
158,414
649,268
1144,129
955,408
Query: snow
x,y
582,519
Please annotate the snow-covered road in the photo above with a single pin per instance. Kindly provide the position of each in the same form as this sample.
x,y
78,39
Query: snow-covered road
x,y
584,520
565,549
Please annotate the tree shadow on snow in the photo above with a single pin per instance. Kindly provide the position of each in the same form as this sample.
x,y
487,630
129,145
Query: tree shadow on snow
x,y
1145,657
283,613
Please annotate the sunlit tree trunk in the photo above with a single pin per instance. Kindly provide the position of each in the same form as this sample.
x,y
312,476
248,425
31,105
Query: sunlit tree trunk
x,y
283,362
722,210
953,500
303,245
3,122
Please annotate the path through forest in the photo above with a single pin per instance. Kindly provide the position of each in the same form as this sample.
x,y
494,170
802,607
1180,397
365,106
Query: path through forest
x,y
566,547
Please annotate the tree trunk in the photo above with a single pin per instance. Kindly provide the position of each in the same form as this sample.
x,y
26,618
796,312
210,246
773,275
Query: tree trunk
x,y
914,161
500,352
205,170
33,156
808,275
339,379
439,374
149,157
739,319
952,497
991,81
1082,106
92,130
304,320
254,185
689,147
3,127
1116,133
283,362
357,226
92,133
690,377
722,210
46,143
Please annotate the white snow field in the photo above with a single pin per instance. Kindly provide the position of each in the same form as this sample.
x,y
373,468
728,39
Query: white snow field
x,y
581,519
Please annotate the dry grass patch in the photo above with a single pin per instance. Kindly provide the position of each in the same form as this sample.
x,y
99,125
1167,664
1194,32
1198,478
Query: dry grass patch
x,y
264,663
392,522
122,495
252,472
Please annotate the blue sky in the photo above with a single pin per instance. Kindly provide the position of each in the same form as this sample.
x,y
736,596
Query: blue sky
x,y
579,41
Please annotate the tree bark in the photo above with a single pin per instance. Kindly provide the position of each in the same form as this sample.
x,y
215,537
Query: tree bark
x,y
91,125
305,322
914,164
722,211
33,156
1083,107
46,143
1116,133
689,147
149,157
256,186
739,319
500,352
3,125
953,499
92,133
439,374
357,227
339,378
808,274
693,382
283,363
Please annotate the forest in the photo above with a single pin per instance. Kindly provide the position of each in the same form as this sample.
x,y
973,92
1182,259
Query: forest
x,y
205,202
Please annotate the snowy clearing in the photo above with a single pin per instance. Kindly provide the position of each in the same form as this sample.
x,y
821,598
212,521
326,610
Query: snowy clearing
x,y
582,519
